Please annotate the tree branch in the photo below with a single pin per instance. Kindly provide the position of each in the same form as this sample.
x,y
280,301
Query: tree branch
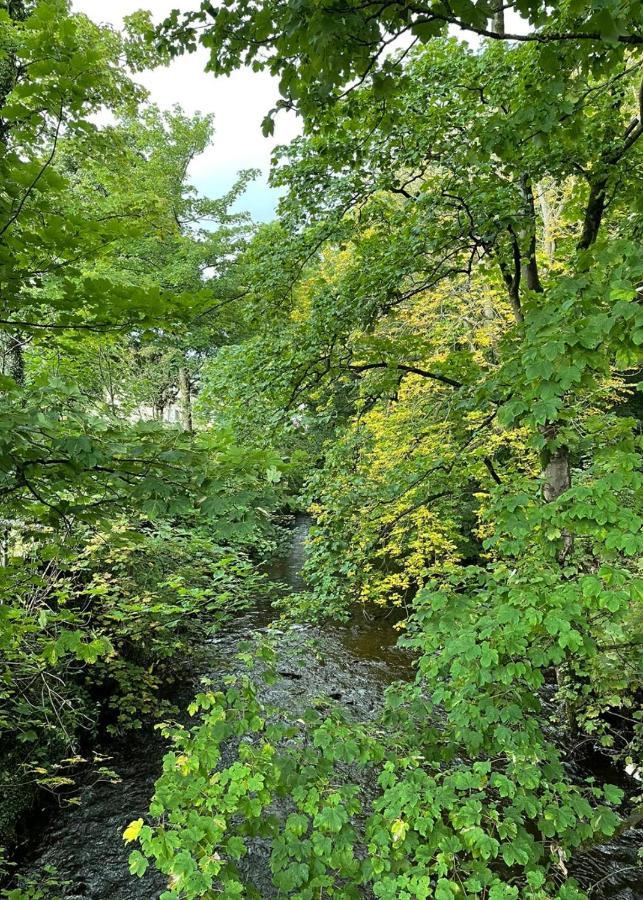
x,y
42,171
411,370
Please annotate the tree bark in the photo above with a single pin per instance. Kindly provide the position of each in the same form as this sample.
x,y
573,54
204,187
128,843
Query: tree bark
x,y
498,17
558,479
593,213
557,474
512,276
548,216
185,396
530,274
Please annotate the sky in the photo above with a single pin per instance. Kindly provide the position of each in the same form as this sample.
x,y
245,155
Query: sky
x,y
239,103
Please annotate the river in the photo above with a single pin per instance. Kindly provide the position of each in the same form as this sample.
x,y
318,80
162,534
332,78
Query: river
x,y
80,848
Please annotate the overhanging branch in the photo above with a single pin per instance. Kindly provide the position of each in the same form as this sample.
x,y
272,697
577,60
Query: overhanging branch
x,y
411,370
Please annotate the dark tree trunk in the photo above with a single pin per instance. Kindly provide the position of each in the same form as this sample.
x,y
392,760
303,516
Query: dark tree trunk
x,y
593,213
530,274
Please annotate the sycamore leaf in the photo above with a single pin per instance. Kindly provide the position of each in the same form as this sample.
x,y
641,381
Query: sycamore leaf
x,y
132,831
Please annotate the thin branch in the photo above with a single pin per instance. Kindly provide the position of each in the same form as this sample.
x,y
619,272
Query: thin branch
x,y
42,171
487,461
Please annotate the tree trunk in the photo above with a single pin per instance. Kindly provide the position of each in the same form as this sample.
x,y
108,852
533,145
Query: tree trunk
x,y
547,214
185,399
558,479
557,474
593,213
530,264
498,17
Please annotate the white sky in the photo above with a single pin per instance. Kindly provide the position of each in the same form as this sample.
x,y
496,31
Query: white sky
x,y
238,102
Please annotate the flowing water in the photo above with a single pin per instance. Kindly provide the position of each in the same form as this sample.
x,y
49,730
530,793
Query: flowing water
x,y
352,664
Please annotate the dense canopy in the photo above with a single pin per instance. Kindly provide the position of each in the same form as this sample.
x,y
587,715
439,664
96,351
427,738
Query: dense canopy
x,y
433,350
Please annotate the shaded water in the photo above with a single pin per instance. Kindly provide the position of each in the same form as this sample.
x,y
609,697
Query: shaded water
x,y
352,663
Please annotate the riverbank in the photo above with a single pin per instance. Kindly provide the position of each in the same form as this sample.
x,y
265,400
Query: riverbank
x,y
80,849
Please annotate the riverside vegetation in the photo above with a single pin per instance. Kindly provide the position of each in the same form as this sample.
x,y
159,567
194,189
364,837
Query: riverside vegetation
x,y
435,348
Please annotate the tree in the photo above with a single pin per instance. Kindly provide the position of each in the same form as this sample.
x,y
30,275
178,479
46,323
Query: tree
x,y
111,274
320,50
483,383
178,248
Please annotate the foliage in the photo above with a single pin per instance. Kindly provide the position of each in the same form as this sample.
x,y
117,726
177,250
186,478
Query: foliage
x,y
348,811
123,540
442,332
318,55
453,304
103,621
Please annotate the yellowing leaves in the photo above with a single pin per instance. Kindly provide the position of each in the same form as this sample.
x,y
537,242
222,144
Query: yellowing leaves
x,y
182,764
399,830
132,831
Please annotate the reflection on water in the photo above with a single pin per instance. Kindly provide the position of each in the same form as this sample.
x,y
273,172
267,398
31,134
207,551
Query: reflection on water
x,y
287,569
375,640
366,637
